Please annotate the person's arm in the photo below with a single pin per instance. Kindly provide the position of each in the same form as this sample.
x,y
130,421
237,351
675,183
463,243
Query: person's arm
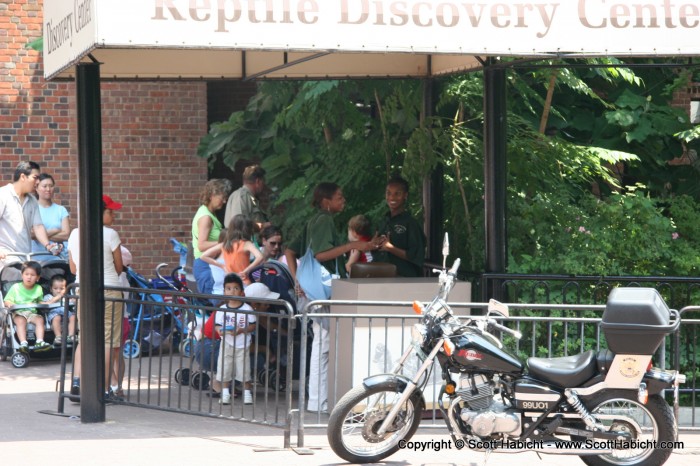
x,y
60,234
337,251
204,227
353,257
52,300
394,250
118,262
210,255
250,328
291,257
71,264
415,250
43,238
257,255
10,297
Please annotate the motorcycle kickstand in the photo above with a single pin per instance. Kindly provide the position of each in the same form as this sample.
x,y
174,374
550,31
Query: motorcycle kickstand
x,y
487,453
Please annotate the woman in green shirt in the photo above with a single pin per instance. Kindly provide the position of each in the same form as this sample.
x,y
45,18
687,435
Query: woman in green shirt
x,y
206,228
330,248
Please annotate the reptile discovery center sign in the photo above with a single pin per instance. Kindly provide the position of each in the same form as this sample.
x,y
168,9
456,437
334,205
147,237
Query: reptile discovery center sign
x,y
303,38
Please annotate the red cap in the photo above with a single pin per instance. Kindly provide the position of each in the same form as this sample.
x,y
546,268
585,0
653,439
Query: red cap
x,y
110,204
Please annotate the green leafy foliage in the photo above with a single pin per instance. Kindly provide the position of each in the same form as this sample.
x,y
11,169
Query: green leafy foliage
x,y
593,196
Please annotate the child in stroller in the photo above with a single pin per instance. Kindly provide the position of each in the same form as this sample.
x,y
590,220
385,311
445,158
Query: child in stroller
x,y
35,331
21,299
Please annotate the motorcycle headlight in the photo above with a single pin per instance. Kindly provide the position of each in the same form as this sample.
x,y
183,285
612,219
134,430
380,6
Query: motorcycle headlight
x,y
419,334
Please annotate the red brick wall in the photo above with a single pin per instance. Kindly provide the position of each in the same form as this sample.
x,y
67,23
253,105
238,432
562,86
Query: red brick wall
x,y
683,97
150,132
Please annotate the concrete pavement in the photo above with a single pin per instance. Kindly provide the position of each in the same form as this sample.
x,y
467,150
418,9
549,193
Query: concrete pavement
x,y
136,436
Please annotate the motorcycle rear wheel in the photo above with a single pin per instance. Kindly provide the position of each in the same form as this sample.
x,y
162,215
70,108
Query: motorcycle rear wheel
x,y
655,418
358,415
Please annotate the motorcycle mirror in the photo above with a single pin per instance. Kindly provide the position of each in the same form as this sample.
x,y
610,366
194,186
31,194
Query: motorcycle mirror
x,y
498,307
445,249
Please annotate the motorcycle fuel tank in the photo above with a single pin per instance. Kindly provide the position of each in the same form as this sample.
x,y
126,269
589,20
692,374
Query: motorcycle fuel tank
x,y
476,352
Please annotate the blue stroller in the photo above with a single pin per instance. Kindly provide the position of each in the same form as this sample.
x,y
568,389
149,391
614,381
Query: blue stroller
x,y
277,277
154,316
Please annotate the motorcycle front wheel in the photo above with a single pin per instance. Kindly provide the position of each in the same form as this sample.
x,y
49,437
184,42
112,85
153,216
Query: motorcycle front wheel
x,y
356,418
648,424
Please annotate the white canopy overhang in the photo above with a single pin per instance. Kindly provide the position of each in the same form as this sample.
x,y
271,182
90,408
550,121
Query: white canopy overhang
x,y
302,39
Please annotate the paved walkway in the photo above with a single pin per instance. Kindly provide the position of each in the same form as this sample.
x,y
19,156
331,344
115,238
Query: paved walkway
x,y
133,436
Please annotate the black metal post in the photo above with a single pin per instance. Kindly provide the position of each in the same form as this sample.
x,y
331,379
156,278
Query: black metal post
x,y
495,175
433,212
91,269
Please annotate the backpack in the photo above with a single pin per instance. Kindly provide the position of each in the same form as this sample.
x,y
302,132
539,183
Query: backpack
x,y
208,330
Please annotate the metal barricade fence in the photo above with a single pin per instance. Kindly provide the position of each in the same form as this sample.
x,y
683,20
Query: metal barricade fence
x,y
169,365
365,344
171,375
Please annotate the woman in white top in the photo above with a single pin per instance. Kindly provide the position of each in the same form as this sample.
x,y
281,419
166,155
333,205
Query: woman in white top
x,y
113,266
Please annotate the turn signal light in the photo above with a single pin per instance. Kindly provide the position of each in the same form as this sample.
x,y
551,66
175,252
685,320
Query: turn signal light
x,y
448,347
418,307
450,388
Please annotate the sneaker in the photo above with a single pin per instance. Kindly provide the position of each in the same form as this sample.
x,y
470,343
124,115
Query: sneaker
x,y
41,346
70,339
247,398
24,346
58,341
111,397
225,399
75,391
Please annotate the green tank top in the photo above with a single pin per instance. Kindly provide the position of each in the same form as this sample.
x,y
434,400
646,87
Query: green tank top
x,y
213,234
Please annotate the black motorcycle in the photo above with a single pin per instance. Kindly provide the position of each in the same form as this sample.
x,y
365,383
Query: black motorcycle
x,y
606,406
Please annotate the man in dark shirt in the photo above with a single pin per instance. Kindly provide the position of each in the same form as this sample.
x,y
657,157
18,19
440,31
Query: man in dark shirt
x,y
405,240
245,200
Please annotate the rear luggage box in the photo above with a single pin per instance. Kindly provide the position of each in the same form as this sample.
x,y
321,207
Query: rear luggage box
x,y
635,320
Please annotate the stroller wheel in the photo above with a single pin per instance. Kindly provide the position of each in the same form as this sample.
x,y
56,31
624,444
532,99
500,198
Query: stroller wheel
x,y
131,349
262,376
200,381
182,376
186,347
20,360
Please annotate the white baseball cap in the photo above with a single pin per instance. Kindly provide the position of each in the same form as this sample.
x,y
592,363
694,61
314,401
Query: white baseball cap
x,y
260,290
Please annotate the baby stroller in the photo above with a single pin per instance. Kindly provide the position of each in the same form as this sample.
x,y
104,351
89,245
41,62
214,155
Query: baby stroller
x,y
9,342
277,277
154,317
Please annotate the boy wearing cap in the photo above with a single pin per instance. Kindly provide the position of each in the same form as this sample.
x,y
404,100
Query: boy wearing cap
x,y
113,266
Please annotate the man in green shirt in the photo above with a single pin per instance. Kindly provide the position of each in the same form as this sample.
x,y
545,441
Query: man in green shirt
x,y
405,240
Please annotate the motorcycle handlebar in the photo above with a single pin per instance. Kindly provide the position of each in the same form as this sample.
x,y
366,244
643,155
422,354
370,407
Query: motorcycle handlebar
x,y
455,267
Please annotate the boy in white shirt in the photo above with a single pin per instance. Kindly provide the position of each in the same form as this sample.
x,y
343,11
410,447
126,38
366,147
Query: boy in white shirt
x,y
235,327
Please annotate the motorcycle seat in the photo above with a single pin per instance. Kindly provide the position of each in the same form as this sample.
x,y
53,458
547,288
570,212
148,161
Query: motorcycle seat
x,y
567,371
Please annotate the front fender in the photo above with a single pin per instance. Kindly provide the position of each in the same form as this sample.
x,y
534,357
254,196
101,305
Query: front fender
x,y
393,382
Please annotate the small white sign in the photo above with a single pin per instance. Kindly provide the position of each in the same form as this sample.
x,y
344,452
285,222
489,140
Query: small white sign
x,y
69,32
